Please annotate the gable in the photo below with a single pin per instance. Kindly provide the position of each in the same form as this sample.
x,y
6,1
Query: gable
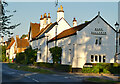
x,y
34,30
63,19
73,31
10,45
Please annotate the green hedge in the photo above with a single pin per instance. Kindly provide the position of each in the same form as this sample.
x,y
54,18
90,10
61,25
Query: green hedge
x,y
113,68
57,67
27,57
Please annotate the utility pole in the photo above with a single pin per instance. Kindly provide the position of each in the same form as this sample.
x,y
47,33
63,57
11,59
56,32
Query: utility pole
x,y
117,31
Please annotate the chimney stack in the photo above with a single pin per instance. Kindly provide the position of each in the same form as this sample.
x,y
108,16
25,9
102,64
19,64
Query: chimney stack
x,y
49,18
17,36
74,22
45,20
60,13
41,22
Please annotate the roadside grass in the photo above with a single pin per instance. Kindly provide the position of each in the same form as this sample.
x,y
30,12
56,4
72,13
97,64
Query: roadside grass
x,y
30,69
101,80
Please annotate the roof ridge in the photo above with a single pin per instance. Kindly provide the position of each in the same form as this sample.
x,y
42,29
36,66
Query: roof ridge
x,y
45,29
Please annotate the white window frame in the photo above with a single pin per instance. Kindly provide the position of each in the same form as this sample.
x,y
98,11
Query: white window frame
x,y
98,58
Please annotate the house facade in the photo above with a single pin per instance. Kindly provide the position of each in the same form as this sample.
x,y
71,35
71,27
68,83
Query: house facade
x,y
16,46
46,30
91,42
10,50
21,44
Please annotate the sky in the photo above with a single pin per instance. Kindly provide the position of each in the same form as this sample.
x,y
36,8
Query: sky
x,y
83,11
63,0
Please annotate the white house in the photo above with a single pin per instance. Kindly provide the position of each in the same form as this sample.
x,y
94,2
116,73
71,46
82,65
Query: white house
x,y
39,34
91,42
10,50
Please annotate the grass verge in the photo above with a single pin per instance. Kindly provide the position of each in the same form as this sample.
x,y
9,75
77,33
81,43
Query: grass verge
x,y
97,80
27,68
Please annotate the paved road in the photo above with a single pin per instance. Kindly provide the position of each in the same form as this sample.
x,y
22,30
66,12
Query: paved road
x,y
11,75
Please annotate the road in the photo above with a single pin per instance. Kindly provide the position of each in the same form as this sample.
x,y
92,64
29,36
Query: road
x,y
11,76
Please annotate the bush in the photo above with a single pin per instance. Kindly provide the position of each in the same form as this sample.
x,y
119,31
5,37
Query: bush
x,y
90,70
113,68
27,57
56,54
4,59
20,58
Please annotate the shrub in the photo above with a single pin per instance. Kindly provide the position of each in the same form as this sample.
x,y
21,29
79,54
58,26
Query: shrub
x,y
27,57
113,68
106,71
3,58
56,54
90,70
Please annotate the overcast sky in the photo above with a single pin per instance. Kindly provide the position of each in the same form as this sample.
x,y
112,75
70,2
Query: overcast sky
x,y
83,11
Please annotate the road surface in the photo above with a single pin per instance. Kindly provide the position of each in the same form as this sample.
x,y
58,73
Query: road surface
x,y
11,76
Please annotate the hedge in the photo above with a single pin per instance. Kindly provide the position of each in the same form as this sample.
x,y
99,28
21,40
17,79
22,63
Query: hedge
x,y
113,68
57,67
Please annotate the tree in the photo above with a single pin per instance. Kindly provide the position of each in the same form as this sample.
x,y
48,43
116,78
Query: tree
x,y
3,54
27,57
5,26
56,54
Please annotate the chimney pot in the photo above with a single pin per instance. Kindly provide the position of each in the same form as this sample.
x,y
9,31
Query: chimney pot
x,y
61,8
74,22
45,15
49,15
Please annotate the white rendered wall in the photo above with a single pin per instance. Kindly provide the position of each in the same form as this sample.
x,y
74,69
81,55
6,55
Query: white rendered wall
x,y
86,43
11,52
62,25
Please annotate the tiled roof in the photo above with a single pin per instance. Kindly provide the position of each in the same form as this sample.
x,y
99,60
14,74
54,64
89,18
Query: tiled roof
x,y
45,30
70,31
22,43
11,43
35,29
42,30
73,30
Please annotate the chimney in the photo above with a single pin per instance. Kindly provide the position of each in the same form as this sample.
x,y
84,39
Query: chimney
x,y
49,18
45,20
41,22
17,36
74,22
60,13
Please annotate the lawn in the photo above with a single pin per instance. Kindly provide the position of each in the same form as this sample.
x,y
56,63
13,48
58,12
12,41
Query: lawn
x,y
30,69
98,80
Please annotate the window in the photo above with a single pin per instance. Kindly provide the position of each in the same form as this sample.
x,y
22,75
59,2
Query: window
x,y
99,58
92,58
40,56
69,55
96,58
104,58
98,40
